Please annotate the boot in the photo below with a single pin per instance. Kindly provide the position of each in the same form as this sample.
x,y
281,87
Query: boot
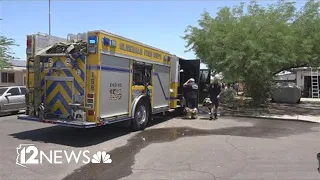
x,y
188,115
210,114
215,116
194,115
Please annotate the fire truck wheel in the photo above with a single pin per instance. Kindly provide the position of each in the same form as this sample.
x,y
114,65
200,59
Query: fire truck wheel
x,y
141,116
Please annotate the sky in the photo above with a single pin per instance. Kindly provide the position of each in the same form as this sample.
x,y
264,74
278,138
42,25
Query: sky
x,y
157,23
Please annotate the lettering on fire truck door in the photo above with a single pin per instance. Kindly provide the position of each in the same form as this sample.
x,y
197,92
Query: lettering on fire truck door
x,y
115,76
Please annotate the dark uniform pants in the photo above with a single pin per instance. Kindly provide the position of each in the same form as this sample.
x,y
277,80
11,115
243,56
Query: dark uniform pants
x,y
192,102
214,106
215,102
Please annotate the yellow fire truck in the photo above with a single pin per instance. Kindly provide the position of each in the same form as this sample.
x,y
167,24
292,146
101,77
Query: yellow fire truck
x,y
98,78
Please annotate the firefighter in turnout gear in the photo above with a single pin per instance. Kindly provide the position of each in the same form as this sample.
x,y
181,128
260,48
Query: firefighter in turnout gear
x,y
215,90
191,90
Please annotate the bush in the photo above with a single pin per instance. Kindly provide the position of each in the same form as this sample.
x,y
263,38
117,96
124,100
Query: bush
x,y
258,87
228,96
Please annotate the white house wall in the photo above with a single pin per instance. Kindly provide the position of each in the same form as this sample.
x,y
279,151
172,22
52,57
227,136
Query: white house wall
x,y
285,77
18,78
300,77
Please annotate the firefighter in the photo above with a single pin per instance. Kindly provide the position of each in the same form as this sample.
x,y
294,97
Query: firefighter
x,y
191,89
214,91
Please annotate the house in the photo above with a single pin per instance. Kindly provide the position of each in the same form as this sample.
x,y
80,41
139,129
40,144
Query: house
x,y
303,80
285,76
15,75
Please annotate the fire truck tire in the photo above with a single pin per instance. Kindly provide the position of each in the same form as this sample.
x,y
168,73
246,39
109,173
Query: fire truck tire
x,y
141,116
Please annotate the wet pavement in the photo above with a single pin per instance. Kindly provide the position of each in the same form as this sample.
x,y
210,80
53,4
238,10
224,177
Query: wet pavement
x,y
264,132
170,148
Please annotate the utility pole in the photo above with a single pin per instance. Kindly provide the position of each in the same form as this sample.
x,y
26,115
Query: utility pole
x,y
49,17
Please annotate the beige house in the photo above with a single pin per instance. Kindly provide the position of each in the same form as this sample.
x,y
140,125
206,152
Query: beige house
x,y
14,76
303,80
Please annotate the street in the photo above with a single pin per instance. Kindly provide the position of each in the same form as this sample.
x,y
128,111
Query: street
x,y
171,148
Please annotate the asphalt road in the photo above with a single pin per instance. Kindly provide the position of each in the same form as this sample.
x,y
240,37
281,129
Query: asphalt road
x,y
229,148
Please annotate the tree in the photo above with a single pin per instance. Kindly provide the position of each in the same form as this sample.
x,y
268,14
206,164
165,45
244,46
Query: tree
x,y
6,53
259,43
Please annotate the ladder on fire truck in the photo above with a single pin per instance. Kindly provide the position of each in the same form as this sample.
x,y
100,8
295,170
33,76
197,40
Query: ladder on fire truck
x,y
315,83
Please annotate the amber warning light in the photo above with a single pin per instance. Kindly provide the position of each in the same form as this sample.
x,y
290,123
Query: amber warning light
x,y
29,42
29,45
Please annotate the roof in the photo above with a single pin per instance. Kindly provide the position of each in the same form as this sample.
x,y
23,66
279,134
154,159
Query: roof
x,y
14,68
284,73
18,63
303,68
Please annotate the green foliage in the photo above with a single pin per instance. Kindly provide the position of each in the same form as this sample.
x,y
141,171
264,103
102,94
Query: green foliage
x,y
256,45
6,53
228,96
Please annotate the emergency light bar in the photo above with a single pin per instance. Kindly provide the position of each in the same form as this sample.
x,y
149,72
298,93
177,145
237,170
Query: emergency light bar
x,y
113,43
109,42
106,41
92,45
93,40
167,58
29,45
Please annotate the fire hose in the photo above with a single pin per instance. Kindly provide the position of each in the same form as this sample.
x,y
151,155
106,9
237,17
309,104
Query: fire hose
x,y
74,49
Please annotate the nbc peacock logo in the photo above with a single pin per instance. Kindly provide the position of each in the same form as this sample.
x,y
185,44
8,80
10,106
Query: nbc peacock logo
x,y
101,157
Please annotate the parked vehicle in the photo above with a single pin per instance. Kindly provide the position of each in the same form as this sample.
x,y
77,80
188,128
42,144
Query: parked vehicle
x,y
12,99
98,78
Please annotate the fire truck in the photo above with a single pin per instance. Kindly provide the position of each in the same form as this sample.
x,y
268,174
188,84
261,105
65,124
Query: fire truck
x,y
98,78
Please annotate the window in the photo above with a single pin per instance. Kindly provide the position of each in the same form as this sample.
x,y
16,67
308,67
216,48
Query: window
x,y
142,73
10,77
23,90
7,77
14,91
3,90
4,77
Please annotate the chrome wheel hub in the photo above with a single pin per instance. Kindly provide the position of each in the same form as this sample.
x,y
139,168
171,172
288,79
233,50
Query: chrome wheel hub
x,y
141,114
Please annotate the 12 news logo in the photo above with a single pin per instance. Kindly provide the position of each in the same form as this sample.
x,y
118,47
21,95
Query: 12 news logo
x,y
28,154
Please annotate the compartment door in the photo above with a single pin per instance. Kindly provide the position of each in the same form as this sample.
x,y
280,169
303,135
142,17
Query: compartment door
x,y
161,86
58,95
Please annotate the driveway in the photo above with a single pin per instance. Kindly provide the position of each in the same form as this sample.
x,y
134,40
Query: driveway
x,y
171,148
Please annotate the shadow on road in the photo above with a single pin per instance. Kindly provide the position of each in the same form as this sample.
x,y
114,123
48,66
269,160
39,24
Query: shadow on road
x,y
9,114
75,137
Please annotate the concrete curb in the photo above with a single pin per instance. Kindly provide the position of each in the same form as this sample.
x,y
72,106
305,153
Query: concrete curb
x,y
275,118
311,119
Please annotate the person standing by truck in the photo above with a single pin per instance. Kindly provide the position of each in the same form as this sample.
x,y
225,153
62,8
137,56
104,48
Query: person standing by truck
x,y
191,89
215,90
191,92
